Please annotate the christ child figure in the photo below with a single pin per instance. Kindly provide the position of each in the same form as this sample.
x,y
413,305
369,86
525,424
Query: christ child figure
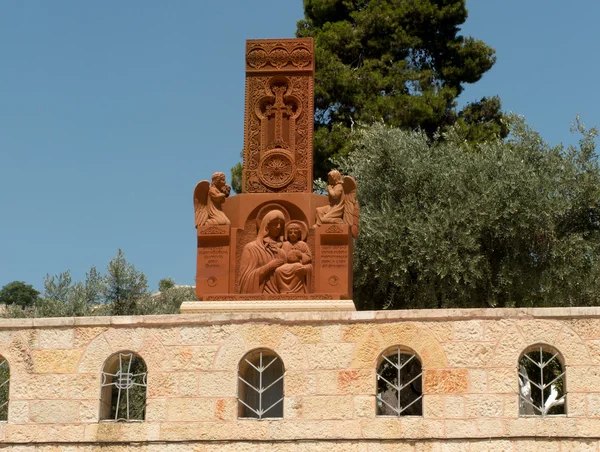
x,y
294,276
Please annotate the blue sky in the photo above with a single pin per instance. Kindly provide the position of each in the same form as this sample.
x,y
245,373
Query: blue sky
x,y
111,112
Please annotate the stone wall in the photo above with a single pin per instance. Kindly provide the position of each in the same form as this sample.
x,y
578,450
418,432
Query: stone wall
x,y
470,384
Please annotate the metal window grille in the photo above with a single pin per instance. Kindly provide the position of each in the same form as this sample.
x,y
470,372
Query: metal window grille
x,y
399,384
261,385
4,383
127,389
541,383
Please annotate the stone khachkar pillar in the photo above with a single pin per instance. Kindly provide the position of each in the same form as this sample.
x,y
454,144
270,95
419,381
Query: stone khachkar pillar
x,y
277,240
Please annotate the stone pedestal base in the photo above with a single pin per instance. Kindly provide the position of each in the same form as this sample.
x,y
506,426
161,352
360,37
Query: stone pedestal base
x,y
209,307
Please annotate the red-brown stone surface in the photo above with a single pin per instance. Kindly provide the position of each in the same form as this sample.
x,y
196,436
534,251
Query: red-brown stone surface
x,y
277,240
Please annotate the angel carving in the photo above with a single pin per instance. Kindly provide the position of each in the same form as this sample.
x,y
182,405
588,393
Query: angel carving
x,y
342,208
208,199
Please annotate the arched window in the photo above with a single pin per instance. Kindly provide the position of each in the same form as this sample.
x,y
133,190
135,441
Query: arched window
x,y
542,389
399,383
4,382
260,385
123,386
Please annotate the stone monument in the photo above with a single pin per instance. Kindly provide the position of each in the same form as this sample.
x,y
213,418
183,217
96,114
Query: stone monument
x,y
276,241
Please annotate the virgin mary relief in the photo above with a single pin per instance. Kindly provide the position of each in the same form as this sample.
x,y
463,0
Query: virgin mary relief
x,y
271,266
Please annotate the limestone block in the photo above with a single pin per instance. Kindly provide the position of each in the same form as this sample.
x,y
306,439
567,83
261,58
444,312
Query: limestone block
x,y
6,336
191,357
556,426
441,331
586,328
331,333
111,432
503,380
509,348
537,445
55,361
190,409
454,407
522,426
306,334
54,411
18,353
490,445
588,427
95,355
433,406
593,405
403,333
583,378
468,330
355,332
194,335
572,348
156,410
154,353
166,335
292,407
297,383
417,427
328,407
218,384
230,353
226,409
188,384
20,433
89,410
469,354
221,333
84,335
539,331
123,339
356,381
18,411
56,338
484,405
389,446
511,406
478,380
292,352
329,356
323,429
364,406
461,429
576,404
445,381
80,386
367,350
490,427
262,336
214,431
162,384
430,352
455,446
495,329
594,350
314,446
579,445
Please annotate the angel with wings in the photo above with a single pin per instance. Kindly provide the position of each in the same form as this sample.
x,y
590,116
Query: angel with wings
x,y
208,199
342,208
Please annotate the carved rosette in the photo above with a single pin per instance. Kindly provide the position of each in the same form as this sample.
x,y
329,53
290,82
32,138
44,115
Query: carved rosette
x,y
279,116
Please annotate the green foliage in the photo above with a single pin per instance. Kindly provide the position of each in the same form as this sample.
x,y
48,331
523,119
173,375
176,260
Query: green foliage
x,y
124,286
236,175
122,291
18,293
446,224
4,386
166,284
399,61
